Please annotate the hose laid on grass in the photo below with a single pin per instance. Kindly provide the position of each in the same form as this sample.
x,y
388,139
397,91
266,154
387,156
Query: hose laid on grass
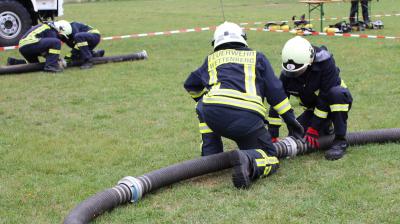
x,y
34,67
362,138
19,69
123,193
117,58
131,189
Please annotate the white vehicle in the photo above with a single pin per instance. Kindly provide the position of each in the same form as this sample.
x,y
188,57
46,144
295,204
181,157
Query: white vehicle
x,y
17,16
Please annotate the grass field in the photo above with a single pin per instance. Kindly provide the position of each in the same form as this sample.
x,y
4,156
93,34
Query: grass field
x,y
67,136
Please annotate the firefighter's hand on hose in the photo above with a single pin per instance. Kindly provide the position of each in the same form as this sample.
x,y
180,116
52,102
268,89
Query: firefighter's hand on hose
x,y
62,62
68,58
275,140
273,131
311,138
295,129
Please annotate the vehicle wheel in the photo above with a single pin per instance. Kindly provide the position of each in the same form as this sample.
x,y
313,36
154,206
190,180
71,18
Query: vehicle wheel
x,y
15,20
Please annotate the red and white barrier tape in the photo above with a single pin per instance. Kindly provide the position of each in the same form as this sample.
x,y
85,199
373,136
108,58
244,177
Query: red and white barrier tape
x,y
327,34
198,29
8,48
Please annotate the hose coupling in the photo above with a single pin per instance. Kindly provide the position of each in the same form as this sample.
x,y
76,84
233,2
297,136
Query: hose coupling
x,y
136,187
291,146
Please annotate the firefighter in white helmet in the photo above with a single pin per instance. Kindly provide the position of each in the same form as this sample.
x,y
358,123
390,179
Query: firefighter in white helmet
x,y
63,27
230,88
82,39
310,74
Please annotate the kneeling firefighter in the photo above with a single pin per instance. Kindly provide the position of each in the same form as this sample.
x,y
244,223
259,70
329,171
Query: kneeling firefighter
x,y
82,39
40,40
310,74
229,89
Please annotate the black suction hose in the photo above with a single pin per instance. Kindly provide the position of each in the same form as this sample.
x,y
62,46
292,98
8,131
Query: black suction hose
x,y
131,189
19,69
373,136
118,58
98,204
124,193
183,171
34,67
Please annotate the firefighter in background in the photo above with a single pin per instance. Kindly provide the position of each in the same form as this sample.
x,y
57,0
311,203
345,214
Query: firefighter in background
x,y
354,11
229,89
310,74
40,40
82,39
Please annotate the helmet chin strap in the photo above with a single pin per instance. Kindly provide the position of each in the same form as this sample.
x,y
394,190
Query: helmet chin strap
x,y
296,73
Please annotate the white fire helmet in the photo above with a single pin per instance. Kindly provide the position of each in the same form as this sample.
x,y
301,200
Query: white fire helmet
x,y
297,55
228,33
63,27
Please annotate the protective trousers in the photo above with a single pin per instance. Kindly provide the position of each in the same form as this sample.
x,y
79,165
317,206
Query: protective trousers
x,y
245,128
47,47
305,119
339,100
85,43
354,11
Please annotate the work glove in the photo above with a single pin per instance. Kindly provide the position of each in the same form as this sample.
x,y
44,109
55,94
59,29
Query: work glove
x,y
62,63
275,140
311,138
294,127
273,131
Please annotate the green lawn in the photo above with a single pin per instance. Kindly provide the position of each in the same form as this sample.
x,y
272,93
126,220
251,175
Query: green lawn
x,y
67,136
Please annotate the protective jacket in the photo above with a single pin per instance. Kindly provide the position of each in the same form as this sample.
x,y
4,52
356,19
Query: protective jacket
x,y
34,34
316,90
239,78
78,28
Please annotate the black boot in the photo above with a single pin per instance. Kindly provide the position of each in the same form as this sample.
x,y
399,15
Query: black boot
x,y
87,65
98,53
337,150
53,68
249,165
241,169
14,61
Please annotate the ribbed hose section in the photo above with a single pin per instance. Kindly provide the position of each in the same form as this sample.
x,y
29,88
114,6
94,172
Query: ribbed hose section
x,y
98,204
121,194
365,137
185,170
375,136
290,147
